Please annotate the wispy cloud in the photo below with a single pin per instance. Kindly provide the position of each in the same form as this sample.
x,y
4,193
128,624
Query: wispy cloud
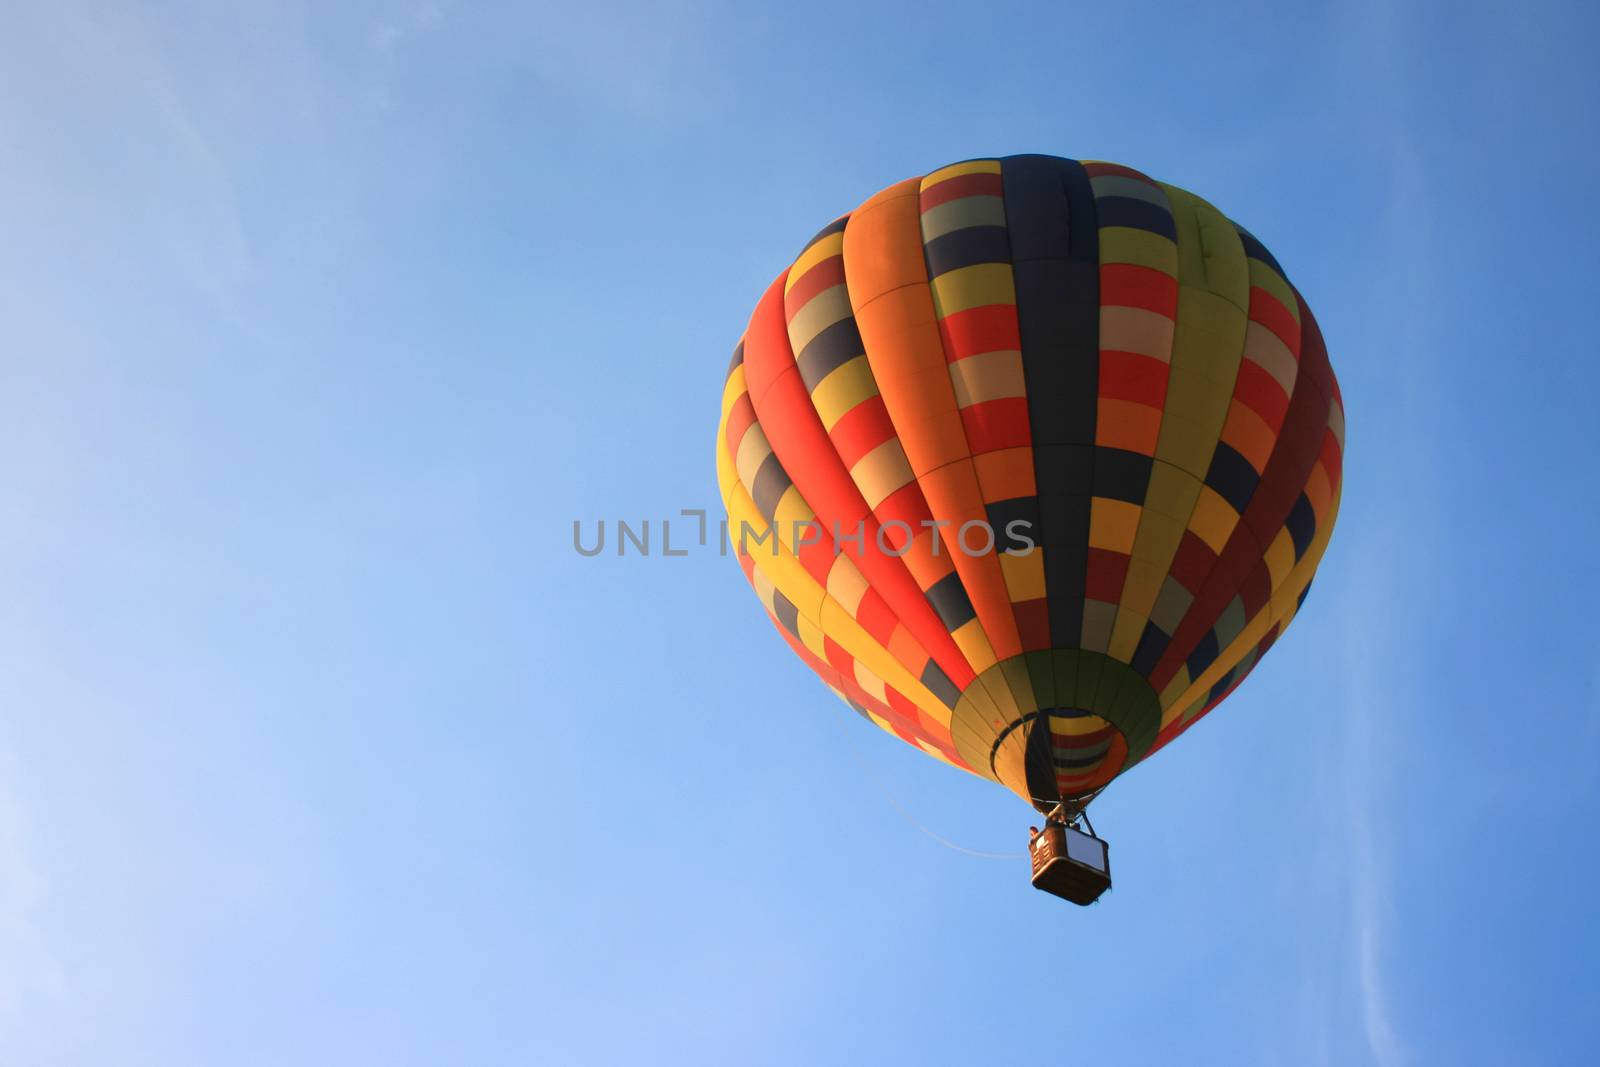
x,y
1388,526
1371,702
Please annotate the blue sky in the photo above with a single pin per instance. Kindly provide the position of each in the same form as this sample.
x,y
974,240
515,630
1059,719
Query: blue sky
x,y
319,744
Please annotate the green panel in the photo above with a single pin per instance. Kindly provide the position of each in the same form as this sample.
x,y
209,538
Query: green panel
x,y
1041,671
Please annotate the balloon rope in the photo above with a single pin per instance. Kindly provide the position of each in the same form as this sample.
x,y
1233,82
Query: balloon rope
x,y
908,817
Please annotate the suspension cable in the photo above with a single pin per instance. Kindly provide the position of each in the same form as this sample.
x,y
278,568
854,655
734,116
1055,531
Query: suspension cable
x,y
861,762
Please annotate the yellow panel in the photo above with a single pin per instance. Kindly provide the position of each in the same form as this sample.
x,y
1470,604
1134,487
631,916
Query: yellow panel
x,y
821,311
1143,584
763,587
1213,519
811,600
1279,558
936,754
732,390
1113,524
812,637
846,583
870,682
1024,575
957,170
842,389
1264,277
1281,607
881,472
1124,244
974,644
753,451
1318,490
828,247
975,286
1174,690
792,510
1172,491
1125,634
1158,539
1072,725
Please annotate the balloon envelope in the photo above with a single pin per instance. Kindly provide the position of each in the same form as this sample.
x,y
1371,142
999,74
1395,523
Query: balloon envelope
x,y
1031,460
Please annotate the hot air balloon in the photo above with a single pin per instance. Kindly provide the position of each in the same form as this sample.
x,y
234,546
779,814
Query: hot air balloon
x,y
1031,460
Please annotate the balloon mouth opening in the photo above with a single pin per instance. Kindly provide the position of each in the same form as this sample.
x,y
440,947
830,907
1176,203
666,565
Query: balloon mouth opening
x,y
1069,754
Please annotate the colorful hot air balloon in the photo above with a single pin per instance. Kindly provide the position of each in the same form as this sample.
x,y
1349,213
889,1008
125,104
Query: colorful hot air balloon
x,y
1031,460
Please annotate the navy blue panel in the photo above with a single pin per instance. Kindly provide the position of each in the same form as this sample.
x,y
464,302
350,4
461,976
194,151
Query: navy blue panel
x,y
940,685
1152,643
1064,535
1205,653
788,615
1137,214
771,482
1038,760
1256,250
835,226
1121,475
950,601
1002,513
967,247
1055,262
1232,476
830,349
1301,524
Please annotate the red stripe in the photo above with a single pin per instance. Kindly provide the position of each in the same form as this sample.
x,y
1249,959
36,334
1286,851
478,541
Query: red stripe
x,y
812,463
1033,623
1104,575
841,660
906,504
825,275
1332,459
861,429
1130,285
1265,309
1281,483
907,721
1256,590
991,328
958,187
740,418
1260,392
1098,170
817,556
996,424
876,618
1130,376
1192,562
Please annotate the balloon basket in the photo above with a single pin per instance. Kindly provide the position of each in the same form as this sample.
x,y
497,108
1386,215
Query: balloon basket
x,y
1069,863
